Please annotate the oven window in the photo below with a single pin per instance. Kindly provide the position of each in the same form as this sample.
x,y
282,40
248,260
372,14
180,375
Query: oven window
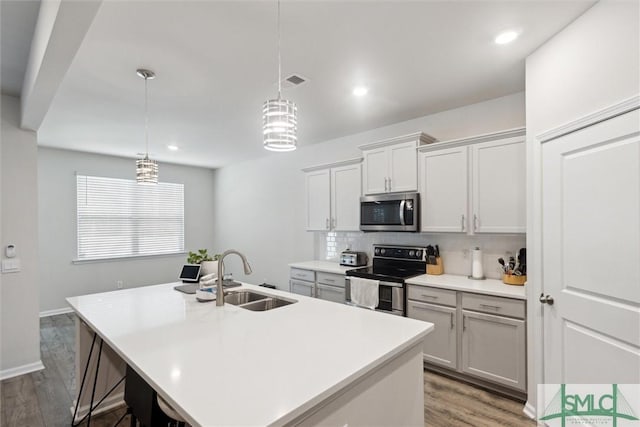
x,y
380,213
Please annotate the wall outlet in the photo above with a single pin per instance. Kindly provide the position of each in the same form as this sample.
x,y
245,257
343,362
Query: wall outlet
x,y
119,284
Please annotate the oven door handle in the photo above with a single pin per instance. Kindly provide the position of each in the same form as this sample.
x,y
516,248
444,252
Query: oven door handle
x,y
390,284
403,202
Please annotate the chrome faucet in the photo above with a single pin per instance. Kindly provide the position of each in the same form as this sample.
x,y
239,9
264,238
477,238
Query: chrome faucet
x,y
219,288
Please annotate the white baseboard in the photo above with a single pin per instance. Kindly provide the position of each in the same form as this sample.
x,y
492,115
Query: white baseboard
x,y
55,312
112,402
21,370
529,410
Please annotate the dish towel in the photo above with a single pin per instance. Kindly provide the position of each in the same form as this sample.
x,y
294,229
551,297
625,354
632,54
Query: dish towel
x,y
364,292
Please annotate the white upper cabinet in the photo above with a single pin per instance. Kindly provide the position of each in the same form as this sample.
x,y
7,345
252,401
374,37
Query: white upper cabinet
x,y
444,190
345,197
318,199
499,186
474,185
391,165
375,171
333,196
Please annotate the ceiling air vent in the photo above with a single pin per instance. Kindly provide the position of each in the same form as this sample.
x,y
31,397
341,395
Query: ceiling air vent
x,y
293,81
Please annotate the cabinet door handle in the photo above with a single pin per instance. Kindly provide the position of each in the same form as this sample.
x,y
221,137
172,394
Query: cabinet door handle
x,y
385,184
333,223
389,183
492,307
475,222
462,222
464,322
451,314
327,223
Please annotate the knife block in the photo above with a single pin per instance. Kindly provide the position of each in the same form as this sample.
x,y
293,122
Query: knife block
x,y
436,269
510,279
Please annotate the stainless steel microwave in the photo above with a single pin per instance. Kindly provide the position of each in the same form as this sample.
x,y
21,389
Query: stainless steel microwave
x,y
390,212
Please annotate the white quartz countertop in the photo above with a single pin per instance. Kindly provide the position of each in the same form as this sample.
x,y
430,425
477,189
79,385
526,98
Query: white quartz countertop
x,y
232,366
324,266
463,283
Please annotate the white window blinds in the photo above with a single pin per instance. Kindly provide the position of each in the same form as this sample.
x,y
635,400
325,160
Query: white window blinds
x,y
120,218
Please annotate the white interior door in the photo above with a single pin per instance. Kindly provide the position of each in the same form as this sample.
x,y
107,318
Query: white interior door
x,y
346,189
591,253
318,200
443,188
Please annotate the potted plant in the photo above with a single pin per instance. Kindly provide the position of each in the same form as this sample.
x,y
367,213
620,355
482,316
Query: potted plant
x,y
208,265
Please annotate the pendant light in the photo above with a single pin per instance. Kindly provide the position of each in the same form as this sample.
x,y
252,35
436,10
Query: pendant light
x,y
146,169
279,116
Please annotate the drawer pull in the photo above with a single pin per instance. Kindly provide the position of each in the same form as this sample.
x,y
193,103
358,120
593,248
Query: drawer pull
x,y
492,307
417,307
429,296
330,280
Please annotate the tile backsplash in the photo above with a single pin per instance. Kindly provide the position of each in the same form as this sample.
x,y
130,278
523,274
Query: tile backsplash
x,y
455,250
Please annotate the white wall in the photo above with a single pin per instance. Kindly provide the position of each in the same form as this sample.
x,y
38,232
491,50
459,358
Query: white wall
x,y
591,64
259,204
57,223
20,328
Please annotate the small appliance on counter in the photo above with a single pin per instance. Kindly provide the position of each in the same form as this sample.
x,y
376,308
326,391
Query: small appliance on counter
x,y
353,258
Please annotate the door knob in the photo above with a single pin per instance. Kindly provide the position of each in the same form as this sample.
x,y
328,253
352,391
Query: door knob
x,y
548,299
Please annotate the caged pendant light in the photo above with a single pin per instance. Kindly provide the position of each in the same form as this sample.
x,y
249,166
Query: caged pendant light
x,y
279,116
146,169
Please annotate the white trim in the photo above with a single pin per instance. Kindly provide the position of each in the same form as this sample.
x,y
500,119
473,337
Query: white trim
x,y
333,165
452,143
21,370
529,410
110,403
55,312
420,138
609,112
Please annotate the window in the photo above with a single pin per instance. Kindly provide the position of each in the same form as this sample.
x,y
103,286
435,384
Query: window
x,y
120,218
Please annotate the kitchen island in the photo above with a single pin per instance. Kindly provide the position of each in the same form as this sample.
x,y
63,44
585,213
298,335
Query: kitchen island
x,y
308,363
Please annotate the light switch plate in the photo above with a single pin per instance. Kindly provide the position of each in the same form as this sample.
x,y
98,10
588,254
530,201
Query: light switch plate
x,y
11,265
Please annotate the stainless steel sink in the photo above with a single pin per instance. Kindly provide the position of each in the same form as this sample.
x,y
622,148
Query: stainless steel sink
x,y
255,301
243,297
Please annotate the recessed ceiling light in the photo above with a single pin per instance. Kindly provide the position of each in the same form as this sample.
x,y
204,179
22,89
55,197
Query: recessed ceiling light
x,y
360,90
506,37
173,147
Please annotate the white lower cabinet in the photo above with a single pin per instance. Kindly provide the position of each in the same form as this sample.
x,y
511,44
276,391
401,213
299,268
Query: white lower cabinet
x,y
330,293
477,336
301,287
317,284
440,346
493,348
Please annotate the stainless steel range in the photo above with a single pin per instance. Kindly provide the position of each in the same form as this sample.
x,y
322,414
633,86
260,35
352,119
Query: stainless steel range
x,y
391,266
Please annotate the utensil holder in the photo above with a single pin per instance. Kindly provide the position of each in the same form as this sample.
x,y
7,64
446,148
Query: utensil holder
x,y
436,269
510,279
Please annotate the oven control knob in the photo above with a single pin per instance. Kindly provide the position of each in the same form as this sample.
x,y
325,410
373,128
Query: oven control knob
x,y
382,251
377,251
411,253
418,254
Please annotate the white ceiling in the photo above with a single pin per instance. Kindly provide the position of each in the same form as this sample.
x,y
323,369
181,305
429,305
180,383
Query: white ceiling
x,y
17,21
216,65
